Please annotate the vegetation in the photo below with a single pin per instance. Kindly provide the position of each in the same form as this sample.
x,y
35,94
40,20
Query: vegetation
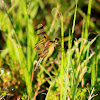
x,y
71,70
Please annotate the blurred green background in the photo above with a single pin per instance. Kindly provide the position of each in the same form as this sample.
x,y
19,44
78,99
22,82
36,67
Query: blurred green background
x,y
72,74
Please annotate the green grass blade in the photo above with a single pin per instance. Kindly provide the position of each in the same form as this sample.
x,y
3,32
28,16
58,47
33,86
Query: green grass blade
x,y
62,58
74,92
88,19
28,46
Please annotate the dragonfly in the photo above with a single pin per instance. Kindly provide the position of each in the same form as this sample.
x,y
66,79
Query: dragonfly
x,y
43,45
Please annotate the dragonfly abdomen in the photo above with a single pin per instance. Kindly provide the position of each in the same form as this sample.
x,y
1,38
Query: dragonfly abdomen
x,y
40,60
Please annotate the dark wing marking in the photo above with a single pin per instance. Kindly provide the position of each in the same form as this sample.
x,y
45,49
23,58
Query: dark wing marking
x,y
44,53
42,48
39,46
41,33
40,26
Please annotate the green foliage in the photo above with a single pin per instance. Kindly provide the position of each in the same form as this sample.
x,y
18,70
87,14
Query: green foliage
x,y
68,72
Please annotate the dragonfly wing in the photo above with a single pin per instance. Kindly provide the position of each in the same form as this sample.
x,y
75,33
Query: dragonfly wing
x,y
44,53
41,33
41,55
39,46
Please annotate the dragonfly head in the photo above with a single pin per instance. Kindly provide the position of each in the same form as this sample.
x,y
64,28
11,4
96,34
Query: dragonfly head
x,y
56,40
54,43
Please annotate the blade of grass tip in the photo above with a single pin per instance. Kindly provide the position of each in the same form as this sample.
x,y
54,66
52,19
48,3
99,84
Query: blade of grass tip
x,y
74,92
62,57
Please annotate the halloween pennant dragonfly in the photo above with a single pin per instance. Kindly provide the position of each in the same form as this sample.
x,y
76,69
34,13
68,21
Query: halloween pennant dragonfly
x,y
42,46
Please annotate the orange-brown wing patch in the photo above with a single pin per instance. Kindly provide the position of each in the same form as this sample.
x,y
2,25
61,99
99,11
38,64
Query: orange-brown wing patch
x,y
42,48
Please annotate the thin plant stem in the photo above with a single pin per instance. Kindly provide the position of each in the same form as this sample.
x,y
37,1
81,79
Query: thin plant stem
x,y
62,57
